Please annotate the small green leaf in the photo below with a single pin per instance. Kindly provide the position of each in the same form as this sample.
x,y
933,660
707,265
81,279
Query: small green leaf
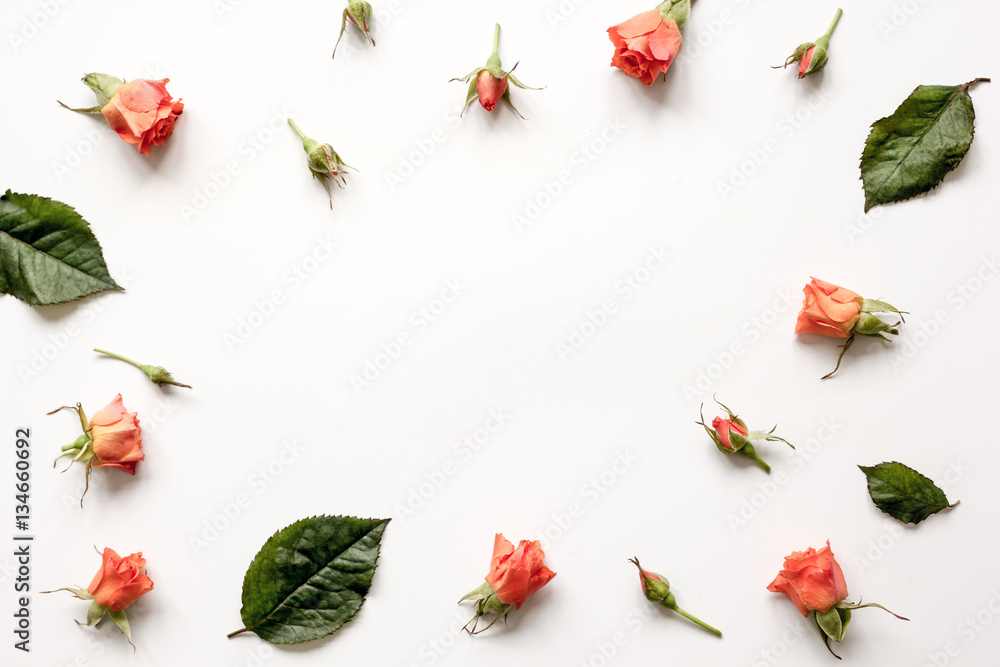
x,y
909,152
47,252
903,493
831,623
310,578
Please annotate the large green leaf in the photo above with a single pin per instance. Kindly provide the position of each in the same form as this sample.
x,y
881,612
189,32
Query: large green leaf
x,y
47,252
310,578
909,152
902,492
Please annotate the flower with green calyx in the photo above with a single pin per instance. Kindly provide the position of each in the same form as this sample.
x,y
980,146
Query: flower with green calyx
x,y
812,56
486,602
111,439
814,582
323,161
116,586
489,83
731,436
157,374
656,588
360,14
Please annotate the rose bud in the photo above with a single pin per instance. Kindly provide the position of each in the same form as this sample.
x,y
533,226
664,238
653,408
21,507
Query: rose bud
x,y
489,83
731,436
648,43
515,575
141,111
656,588
118,584
158,374
812,56
323,161
360,15
814,582
112,439
835,312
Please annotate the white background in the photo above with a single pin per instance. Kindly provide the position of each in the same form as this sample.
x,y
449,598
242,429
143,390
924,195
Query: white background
x,y
717,526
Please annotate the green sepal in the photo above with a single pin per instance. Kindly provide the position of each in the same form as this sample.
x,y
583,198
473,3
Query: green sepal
x,y
104,86
122,622
469,97
869,325
833,622
95,613
506,98
78,593
361,12
514,80
737,441
876,306
676,11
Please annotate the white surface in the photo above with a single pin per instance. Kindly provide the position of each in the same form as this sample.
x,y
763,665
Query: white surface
x,y
654,185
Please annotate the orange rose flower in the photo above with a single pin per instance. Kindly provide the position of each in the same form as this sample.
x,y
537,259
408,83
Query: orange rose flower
x,y
828,310
119,582
117,437
517,574
812,580
645,45
143,113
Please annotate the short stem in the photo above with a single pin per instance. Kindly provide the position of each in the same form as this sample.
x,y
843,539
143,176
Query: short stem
x,y
233,634
297,130
700,622
118,356
833,24
496,40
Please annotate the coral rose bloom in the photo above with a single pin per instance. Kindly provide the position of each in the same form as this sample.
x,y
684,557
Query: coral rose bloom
x,y
812,580
142,112
516,574
119,582
645,45
117,437
828,310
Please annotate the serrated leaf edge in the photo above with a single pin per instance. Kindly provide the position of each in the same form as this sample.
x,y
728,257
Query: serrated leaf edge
x,y
378,554
864,470
116,287
964,88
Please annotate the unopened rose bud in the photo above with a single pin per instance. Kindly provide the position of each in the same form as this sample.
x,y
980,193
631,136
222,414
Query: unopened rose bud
x,y
323,161
489,83
157,374
359,13
656,588
731,436
812,56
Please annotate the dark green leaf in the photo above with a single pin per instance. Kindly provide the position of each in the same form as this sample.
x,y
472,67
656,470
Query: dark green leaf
x,y
909,152
47,252
310,578
903,493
